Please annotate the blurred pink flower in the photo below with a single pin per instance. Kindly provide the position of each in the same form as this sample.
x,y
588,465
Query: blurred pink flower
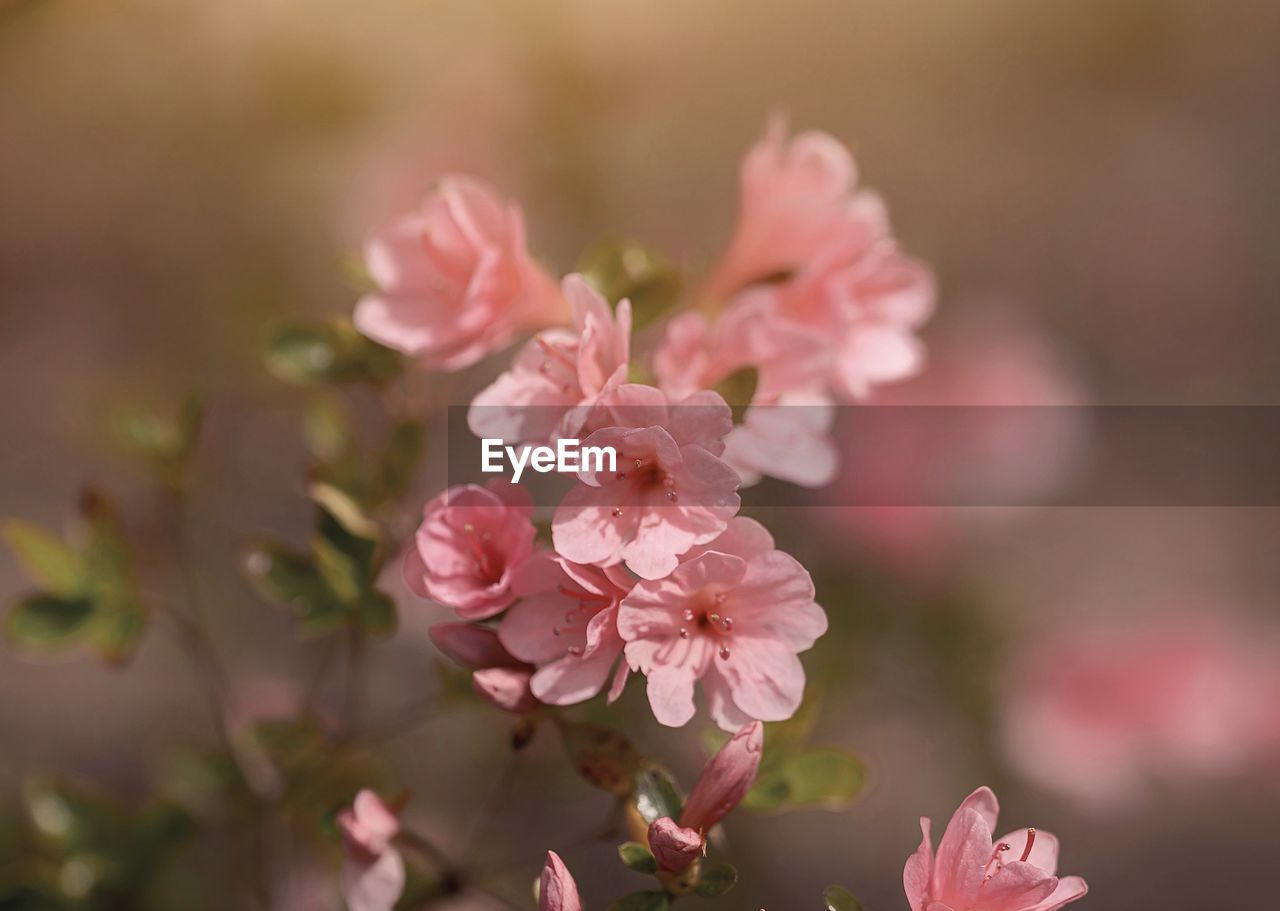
x,y
671,490
973,873
469,543
795,198
720,787
499,677
557,377
566,623
734,614
556,890
455,280
372,870
1099,712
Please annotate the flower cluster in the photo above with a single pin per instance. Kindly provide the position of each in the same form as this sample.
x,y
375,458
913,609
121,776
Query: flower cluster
x,y
650,569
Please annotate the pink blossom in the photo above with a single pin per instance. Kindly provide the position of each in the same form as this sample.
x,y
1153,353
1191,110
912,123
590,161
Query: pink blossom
x,y
566,624
470,542
455,280
498,677
795,198
721,785
671,490
973,873
372,870
733,614
1101,710
557,891
674,846
558,376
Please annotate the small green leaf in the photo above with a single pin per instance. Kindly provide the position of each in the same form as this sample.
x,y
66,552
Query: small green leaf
x,y
165,440
738,389
327,427
47,622
716,880
637,857
629,270
602,756
642,901
290,579
824,776
48,561
377,614
838,898
328,352
656,795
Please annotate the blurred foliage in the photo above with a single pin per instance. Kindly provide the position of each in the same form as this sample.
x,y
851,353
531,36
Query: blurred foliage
x,y
638,857
88,597
332,351
628,270
838,898
166,443
738,389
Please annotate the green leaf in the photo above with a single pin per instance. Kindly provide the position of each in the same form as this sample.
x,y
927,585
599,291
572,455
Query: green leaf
x,y
399,458
738,389
656,795
602,756
378,614
47,622
285,577
49,561
327,427
783,739
328,352
838,898
820,777
642,901
629,270
165,440
637,857
716,880
119,617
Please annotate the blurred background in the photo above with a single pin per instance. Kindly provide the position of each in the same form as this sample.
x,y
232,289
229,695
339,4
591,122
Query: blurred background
x,y
1095,184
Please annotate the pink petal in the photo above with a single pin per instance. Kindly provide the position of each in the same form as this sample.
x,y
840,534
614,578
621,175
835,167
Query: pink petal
x,y
673,846
1017,886
1069,889
1044,850
507,688
373,885
557,891
725,779
962,857
919,867
471,646
764,676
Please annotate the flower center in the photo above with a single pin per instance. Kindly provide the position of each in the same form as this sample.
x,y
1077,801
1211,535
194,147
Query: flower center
x,y
647,474
709,619
488,566
577,618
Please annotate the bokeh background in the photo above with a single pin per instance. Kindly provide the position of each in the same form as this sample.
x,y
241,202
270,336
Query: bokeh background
x,y
1095,184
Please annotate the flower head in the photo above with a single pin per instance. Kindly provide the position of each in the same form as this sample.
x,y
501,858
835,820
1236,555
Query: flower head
x,y
470,542
373,870
671,491
557,377
733,615
566,623
455,281
556,890
971,872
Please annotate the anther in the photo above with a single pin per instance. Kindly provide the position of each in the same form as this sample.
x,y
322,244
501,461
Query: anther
x,y
724,652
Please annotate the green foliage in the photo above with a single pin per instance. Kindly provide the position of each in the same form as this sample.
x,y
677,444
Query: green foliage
x,y
629,270
638,857
89,598
166,442
331,586
715,880
655,794
642,901
309,353
738,389
602,756
838,898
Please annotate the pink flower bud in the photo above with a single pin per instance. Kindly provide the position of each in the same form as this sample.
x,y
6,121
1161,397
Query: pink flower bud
x,y
368,827
471,645
558,891
673,846
505,687
725,779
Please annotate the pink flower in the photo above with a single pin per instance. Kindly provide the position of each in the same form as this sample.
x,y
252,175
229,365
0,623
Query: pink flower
x,y
559,375
971,873
722,784
795,198
469,543
557,891
372,871
733,614
455,280
670,492
499,677
566,623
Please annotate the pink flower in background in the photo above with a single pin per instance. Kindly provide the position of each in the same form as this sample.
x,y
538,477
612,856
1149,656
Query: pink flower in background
x,y
372,870
556,890
671,490
795,198
557,377
566,624
469,543
720,787
971,872
455,281
498,677
1098,712
733,614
